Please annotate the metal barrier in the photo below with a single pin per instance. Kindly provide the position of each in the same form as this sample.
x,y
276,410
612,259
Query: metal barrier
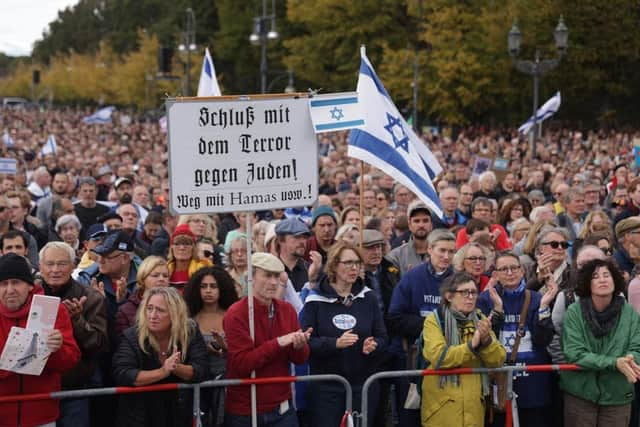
x,y
511,409
58,395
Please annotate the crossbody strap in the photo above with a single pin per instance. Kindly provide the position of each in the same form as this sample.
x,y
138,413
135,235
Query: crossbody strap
x,y
521,323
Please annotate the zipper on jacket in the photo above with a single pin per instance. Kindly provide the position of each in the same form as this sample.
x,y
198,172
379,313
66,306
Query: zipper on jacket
x,y
19,412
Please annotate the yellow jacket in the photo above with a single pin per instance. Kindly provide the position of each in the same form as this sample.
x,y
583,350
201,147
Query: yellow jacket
x,y
194,265
462,405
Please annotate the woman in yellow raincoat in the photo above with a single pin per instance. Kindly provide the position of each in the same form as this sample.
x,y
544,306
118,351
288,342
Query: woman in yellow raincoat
x,y
457,335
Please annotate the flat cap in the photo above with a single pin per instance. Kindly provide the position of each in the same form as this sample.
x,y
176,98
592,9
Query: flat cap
x,y
627,225
292,226
372,238
267,262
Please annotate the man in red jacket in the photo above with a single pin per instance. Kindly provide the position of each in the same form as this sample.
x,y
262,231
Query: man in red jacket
x,y
278,342
16,292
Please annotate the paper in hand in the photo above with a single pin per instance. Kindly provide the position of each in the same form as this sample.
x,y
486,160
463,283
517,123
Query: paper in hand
x,y
25,352
43,313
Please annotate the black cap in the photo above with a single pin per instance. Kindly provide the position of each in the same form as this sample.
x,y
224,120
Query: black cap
x,y
117,240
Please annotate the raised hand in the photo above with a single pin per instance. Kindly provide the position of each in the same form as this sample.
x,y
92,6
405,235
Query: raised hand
x,y
369,345
97,286
121,289
347,339
552,291
495,298
54,340
171,363
315,266
75,306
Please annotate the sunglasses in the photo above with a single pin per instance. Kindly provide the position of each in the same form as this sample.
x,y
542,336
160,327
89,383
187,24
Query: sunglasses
x,y
607,251
555,245
2,208
208,254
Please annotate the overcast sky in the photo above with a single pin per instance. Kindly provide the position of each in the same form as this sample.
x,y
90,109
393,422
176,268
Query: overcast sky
x,y
23,21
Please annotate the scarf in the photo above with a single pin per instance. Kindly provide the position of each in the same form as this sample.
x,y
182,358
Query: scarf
x,y
601,323
454,322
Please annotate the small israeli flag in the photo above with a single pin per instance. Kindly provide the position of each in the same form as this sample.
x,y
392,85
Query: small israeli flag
x,y
336,111
208,85
101,116
7,140
547,110
49,147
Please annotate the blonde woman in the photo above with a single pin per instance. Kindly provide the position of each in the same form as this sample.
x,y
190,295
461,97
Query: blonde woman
x,y
348,233
237,262
475,260
164,347
596,221
183,257
152,273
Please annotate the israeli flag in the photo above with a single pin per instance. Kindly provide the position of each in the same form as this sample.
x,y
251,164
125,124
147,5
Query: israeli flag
x,y
547,110
389,144
49,147
335,111
7,140
208,85
101,116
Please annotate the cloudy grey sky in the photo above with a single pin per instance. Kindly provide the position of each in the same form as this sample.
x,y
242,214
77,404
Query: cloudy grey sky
x,y
23,21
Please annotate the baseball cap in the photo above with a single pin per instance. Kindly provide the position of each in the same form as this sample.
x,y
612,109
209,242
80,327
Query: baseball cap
x,y
117,240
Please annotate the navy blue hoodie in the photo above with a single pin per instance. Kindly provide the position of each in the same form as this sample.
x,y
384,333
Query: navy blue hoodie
x,y
330,318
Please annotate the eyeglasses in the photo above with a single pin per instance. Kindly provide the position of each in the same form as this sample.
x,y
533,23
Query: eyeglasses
x,y
112,256
607,251
467,293
555,245
509,269
476,258
351,263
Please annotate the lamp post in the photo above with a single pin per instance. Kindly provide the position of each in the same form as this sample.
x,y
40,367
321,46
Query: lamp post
x,y
188,45
260,36
537,68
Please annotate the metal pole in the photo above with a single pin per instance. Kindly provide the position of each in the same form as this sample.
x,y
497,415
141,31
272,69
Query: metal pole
x,y
196,406
252,331
188,91
263,46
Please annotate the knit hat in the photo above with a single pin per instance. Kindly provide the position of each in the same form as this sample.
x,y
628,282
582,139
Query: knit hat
x,y
322,210
14,266
183,230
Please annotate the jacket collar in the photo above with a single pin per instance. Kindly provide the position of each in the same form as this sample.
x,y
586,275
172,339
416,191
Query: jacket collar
x,y
24,310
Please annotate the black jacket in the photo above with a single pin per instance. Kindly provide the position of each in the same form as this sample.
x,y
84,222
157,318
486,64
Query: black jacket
x,y
161,409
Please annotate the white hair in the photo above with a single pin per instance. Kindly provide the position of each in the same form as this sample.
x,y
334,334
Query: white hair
x,y
58,245
67,219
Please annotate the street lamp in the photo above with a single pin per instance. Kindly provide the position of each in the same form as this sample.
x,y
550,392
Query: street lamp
x,y
260,36
538,67
188,44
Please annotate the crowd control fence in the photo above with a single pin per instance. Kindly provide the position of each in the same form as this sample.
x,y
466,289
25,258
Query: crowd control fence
x,y
85,393
511,411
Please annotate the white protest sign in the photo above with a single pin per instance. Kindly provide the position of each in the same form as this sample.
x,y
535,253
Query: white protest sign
x,y
241,155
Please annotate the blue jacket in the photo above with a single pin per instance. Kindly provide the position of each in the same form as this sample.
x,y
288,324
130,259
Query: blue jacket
x,y
329,318
414,297
533,390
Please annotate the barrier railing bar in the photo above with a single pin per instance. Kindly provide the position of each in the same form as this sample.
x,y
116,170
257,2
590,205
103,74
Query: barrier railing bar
x,y
457,371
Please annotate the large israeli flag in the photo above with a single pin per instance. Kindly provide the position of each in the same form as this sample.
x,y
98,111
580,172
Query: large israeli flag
x,y
101,116
547,110
208,85
49,147
388,143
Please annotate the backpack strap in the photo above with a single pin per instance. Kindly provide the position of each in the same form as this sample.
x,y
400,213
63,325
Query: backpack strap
x,y
520,331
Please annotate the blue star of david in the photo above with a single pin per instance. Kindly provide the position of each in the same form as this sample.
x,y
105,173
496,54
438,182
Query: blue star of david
x,y
510,341
336,113
403,141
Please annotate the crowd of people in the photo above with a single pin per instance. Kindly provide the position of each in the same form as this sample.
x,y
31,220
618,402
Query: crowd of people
x,y
531,264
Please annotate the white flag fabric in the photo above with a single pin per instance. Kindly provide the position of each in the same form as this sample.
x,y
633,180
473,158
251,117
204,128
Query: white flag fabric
x,y
335,111
7,140
208,85
162,121
388,143
547,110
49,147
101,116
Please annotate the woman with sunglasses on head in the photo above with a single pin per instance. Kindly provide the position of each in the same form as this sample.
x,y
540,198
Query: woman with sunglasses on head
x,y
522,319
183,259
601,333
458,335
348,334
552,260
209,293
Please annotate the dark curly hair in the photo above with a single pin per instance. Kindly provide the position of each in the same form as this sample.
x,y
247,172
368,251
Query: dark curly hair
x,y
226,287
585,275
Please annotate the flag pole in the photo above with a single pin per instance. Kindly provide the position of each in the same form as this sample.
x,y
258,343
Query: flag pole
x,y
252,332
361,228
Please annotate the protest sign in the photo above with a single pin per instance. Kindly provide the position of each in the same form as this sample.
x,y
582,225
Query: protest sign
x,y
241,154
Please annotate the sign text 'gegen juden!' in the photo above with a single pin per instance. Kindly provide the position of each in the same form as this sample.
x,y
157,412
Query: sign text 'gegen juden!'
x,y
241,155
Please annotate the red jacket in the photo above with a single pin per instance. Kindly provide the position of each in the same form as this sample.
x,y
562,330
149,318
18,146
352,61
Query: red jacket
x,y
502,243
266,357
28,414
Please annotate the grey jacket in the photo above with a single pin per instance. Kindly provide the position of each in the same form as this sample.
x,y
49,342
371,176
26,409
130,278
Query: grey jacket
x,y
405,257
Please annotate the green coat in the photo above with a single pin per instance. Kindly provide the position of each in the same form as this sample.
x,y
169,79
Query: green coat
x,y
600,382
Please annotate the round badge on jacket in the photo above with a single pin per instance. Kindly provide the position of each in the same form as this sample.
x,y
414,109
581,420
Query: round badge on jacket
x,y
344,321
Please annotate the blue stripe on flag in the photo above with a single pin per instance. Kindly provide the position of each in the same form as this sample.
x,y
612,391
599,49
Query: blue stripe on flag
x,y
329,126
207,68
368,71
329,102
366,141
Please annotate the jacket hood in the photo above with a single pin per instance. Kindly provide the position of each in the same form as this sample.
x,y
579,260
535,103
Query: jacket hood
x,y
325,292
